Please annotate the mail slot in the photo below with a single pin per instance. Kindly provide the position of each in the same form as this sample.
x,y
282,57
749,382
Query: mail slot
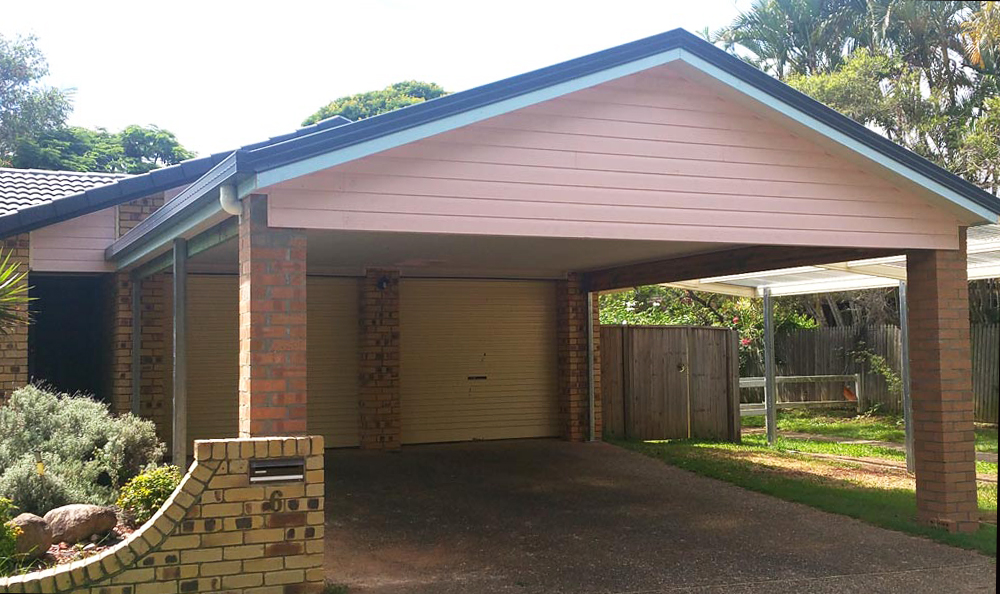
x,y
277,471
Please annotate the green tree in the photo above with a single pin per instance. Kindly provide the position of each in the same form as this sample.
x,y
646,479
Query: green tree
x,y
136,149
27,107
372,103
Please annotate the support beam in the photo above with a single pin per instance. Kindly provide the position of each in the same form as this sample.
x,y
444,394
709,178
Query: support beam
x,y
770,387
721,263
180,354
904,343
941,388
591,397
136,355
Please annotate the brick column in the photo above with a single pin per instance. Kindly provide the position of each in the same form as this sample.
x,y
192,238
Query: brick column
x,y
574,371
14,346
380,407
941,388
272,325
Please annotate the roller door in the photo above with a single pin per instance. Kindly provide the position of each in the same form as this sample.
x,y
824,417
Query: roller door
x,y
477,360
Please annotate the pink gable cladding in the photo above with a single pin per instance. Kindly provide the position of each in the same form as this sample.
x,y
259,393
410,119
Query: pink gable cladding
x,y
651,156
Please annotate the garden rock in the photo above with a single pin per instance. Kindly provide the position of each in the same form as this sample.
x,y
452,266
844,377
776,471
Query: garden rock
x,y
78,522
35,537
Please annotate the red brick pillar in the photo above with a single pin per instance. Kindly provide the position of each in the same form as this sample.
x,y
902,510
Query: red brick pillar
x,y
272,325
941,388
14,346
380,408
574,369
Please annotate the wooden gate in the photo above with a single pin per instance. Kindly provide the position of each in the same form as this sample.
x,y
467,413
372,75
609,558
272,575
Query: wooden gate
x,y
670,382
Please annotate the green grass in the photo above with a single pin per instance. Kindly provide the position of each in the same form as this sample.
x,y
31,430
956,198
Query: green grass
x,y
849,425
894,509
854,450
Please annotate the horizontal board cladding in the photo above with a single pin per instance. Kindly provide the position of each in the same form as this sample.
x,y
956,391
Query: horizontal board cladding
x,y
333,342
649,157
76,245
477,360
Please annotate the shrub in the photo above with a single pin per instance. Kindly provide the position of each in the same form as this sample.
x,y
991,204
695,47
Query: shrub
x,y
88,452
8,537
144,494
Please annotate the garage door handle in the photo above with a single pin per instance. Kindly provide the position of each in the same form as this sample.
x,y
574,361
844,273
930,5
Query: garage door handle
x,y
477,377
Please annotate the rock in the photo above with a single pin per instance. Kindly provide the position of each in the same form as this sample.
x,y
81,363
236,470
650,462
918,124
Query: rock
x,y
79,521
35,538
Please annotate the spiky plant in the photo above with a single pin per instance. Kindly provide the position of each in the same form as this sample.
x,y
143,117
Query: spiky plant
x,y
13,295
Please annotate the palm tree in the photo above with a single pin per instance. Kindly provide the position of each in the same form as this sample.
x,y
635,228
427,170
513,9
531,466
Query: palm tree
x,y
981,34
794,36
13,295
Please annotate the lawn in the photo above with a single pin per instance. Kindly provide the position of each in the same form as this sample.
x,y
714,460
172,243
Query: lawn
x,y
880,497
849,425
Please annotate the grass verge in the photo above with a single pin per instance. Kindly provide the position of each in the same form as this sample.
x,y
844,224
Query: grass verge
x,y
799,478
849,425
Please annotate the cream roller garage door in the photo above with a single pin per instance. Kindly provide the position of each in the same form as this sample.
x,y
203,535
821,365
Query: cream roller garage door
x,y
213,358
333,342
477,360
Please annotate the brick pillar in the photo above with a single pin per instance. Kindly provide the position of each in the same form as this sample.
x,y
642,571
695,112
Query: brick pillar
x,y
14,346
272,325
941,388
380,408
574,371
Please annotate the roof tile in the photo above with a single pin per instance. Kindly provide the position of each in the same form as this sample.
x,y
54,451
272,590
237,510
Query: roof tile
x,y
21,188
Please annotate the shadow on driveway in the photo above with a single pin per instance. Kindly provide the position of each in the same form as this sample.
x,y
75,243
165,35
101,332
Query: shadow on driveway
x,y
532,516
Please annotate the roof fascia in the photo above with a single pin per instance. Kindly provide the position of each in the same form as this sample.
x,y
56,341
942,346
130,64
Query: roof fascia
x,y
173,218
269,177
801,117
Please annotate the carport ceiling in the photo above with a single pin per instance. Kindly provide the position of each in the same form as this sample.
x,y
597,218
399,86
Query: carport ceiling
x,y
421,254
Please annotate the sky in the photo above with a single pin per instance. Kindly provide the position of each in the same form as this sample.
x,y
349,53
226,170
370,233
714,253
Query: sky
x,y
221,74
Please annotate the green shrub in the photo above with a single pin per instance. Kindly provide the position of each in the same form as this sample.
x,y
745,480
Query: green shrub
x,y
88,452
143,495
8,537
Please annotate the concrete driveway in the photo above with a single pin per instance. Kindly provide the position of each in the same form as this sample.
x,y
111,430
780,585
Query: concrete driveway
x,y
547,516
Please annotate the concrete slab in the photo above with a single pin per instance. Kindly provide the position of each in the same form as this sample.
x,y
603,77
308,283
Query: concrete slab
x,y
534,516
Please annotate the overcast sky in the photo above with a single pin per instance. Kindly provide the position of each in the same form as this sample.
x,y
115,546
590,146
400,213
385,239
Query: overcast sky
x,y
220,74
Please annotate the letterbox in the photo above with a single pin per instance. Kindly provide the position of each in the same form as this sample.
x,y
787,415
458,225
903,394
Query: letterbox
x,y
282,470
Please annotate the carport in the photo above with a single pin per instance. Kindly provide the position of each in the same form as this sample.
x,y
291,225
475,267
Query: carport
x,y
508,208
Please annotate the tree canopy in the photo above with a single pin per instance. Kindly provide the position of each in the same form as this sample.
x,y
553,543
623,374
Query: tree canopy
x,y
33,133
372,103
27,107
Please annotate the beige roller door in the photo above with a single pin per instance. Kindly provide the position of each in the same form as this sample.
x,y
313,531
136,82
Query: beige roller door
x,y
333,342
477,360
213,358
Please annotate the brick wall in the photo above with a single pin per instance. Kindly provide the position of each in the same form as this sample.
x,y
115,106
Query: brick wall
x,y
574,371
154,401
217,532
941,388
272,325
379,389
14,345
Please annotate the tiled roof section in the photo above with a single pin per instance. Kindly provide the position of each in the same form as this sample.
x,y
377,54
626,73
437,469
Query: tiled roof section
x,y
21,188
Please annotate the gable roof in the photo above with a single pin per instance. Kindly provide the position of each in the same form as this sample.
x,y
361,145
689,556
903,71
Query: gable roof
x,y
24,188
67,200
318,147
